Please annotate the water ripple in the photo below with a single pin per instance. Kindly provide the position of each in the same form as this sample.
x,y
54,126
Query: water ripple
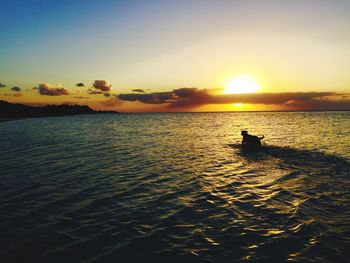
x,y
174,187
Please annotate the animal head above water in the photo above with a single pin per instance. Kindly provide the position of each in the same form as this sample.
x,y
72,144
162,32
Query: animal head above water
x,y
244,132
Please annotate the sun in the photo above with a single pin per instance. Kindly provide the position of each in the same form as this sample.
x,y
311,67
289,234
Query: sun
x,y
241,84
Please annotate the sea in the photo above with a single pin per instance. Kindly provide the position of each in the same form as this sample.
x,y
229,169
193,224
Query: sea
x,y
175,187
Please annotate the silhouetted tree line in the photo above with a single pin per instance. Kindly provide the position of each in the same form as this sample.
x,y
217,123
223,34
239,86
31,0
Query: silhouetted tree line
x,y
16,110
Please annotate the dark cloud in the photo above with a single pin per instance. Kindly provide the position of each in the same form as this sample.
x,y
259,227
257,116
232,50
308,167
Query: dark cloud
x,y
326,103
80,84
17,94
2,85
102,85
16,89
201,98
297,100
190,97
193,97
139,90
153,98
52,90
190,92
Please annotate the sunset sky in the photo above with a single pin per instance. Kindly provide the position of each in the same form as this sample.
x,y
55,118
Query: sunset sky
x,y
183,55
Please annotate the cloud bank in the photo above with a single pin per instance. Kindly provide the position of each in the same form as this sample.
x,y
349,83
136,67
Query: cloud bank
x,y
47,89
152,98
193,97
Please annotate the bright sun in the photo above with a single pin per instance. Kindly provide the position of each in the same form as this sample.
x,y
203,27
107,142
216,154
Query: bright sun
x,y
241,84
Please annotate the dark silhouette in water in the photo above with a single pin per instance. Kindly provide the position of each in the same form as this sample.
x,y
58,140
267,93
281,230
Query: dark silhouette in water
x,y
17,111
251,142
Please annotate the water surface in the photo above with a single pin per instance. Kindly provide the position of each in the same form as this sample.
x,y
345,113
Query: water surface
x,y
175,187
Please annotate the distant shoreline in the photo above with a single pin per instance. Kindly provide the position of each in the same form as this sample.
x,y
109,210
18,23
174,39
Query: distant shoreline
x,y
4,119
16,111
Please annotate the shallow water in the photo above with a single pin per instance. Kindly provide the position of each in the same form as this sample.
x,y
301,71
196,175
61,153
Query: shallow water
x,y
175,187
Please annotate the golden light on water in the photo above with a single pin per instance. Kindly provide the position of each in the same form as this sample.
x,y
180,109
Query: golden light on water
x,y
241,84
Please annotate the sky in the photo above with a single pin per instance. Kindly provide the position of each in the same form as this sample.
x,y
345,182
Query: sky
x,y
165,55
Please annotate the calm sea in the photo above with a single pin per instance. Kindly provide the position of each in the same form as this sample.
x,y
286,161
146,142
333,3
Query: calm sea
x,y
175,188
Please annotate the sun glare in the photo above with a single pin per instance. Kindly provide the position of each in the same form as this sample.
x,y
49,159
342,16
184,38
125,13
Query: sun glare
x,y
241,84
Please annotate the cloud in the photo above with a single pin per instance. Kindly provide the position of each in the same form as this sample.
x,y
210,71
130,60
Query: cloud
x,y
139,90
327,103
190,92
2,85
201,98
153,98
16,88
112,102
102,85
17,94
52,90
81,97
193,97
80,84
93,91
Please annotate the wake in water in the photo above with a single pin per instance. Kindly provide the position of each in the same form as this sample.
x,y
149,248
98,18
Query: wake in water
x,y
310,189
306,160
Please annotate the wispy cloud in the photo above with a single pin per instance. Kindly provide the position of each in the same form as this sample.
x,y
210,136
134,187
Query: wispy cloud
x,y
81,97
94,92
139,90
112,102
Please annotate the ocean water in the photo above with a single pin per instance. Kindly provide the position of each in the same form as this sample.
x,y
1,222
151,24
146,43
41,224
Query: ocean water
x,y
175,188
